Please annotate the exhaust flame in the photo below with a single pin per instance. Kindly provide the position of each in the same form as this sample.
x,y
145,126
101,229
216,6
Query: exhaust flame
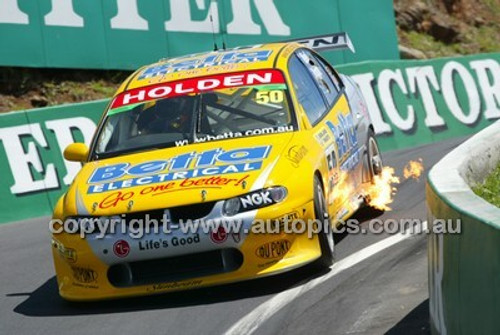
x,y
413,169
343,190
381,192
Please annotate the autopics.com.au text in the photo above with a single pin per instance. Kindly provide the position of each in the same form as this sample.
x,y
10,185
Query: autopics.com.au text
x,y
138,228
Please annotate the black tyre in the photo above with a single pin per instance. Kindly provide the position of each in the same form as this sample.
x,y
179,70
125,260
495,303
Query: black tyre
x,y
375,166
325,236
375,163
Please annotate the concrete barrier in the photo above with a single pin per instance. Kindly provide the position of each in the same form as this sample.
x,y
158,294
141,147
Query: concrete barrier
x,y
464,268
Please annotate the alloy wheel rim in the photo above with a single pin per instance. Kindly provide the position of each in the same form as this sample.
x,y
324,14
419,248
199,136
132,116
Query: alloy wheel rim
x,y
375,159
329,235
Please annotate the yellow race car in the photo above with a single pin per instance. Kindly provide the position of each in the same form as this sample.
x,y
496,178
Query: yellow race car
x,y
214,168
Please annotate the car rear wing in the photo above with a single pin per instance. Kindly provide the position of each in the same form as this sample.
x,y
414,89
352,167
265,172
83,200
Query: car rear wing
x,y
337,41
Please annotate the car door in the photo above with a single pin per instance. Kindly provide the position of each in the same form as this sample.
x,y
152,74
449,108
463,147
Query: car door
x,y
329,114
348,127
315,107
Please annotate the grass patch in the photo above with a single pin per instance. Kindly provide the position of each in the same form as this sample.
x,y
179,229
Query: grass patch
x,y
490,189
103,88
488,38
476,40
493,5
23,88
428,44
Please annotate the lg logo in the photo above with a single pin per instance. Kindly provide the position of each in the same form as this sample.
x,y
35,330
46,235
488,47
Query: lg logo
x,y
181,19
121,248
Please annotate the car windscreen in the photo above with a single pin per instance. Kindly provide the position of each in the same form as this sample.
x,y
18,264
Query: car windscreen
x,y
195,111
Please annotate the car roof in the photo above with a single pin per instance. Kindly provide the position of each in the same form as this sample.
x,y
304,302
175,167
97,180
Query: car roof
x,y
256,57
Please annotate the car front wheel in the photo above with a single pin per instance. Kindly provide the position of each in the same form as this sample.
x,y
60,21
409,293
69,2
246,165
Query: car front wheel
x,y
325,235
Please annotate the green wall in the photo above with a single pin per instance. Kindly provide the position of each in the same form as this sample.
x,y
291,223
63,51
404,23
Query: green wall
x,y
418,102
126,34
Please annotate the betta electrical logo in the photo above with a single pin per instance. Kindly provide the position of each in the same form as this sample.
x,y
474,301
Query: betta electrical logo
x,y
188,165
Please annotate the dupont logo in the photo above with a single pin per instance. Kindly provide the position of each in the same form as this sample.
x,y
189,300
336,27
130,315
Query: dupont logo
x,y
275,249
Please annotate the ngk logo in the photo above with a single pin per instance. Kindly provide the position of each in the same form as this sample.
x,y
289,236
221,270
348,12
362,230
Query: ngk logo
x,y
256,199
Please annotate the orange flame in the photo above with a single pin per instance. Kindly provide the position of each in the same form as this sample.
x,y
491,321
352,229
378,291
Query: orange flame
x,y
413,169
343,189
381,192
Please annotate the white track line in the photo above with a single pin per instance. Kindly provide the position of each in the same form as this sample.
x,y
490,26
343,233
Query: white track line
x,y
250,323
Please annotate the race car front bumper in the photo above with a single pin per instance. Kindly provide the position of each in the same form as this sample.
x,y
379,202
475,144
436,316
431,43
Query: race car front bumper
x,y
118,265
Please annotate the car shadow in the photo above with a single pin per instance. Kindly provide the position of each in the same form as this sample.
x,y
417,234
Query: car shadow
x,y
415,322
45,300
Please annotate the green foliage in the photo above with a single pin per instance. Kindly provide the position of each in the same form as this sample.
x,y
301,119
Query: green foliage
x,y
429,45
488,38
493,5
476,21
490,189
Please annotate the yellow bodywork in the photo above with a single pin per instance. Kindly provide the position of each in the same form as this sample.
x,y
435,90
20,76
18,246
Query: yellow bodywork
x,y
293,160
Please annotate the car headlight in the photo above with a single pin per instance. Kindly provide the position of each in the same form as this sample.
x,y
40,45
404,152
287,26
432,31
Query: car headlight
x,y
254,200
278,194
231,207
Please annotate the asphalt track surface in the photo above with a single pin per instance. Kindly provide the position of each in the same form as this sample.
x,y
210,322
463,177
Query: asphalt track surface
x,y
375,293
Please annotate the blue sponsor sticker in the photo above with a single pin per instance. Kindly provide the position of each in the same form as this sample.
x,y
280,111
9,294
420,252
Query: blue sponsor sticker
x,y
189,165
208,60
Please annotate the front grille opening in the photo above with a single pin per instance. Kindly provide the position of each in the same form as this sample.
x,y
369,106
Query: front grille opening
x,y
188,212
171,269
191,212
184,213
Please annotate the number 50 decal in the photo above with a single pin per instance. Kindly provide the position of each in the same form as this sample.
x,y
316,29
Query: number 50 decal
x,y
264,97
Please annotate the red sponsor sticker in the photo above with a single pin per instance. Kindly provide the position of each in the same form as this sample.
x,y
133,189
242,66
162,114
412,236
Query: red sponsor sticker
x,y
121,248
114,198
219,236
198,85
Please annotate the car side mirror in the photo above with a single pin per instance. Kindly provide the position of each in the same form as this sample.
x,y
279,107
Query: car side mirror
x,y
76,152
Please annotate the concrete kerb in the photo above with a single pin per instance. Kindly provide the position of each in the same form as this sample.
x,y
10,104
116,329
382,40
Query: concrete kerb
x,y
467,165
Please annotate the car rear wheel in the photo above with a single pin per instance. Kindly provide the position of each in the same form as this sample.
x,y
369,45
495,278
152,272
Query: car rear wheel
x,y
325,235
375,166
375,163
